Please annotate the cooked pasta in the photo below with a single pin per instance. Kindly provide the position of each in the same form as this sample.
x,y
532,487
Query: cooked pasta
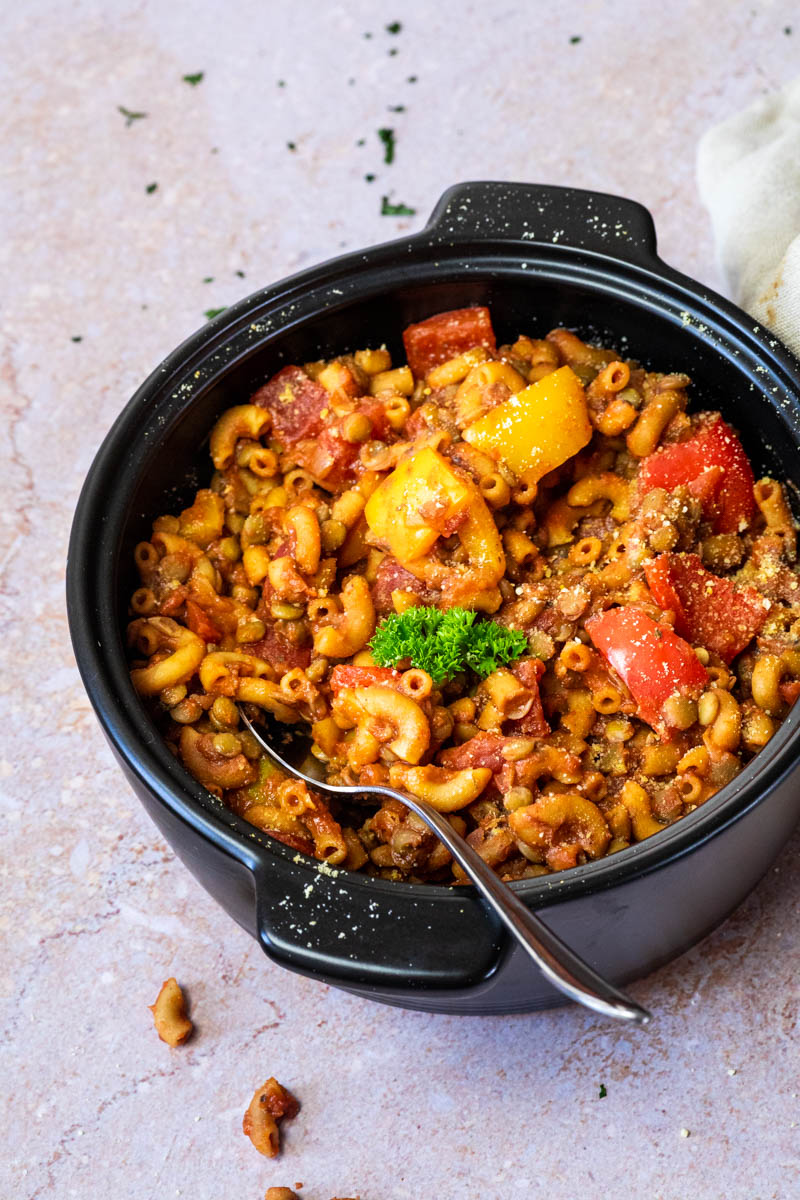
x,y
552,497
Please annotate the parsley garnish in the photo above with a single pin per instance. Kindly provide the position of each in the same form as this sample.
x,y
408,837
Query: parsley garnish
x,y
370,178
573,41
397,108
395,210
412,79
445,643
77,338
393,51
291,145
151,187
602,1093
395,27
387,137
281,83
208,279
194,79
361,142
129,115
240,274
210,313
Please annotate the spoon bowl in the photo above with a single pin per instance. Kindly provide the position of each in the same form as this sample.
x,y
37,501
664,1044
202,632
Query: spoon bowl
x,y
289,747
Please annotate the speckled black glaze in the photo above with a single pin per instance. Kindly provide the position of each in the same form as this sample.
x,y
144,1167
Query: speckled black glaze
x,y
539,257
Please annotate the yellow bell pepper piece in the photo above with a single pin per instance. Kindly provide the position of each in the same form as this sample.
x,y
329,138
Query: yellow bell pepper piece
x,y
538,429
412,507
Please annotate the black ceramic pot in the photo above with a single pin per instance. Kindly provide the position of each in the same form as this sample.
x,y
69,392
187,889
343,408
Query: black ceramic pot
x,y
539,257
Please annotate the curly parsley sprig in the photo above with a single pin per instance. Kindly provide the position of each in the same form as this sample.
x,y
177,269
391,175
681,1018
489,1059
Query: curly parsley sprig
x,y
446,643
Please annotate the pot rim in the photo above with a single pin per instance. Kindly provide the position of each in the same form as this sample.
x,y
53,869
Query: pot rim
x,y
469,220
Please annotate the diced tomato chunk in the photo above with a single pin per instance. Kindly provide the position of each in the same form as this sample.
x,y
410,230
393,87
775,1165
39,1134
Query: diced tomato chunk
x,y
727,499
376,412
343,676
709,611
276,649
443,336
529,671
172,602
652,661
328,457
482,750
392,577
200,623
294,841
296,403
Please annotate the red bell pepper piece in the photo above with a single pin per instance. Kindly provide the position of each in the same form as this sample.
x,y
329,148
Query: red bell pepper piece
x,y
200,623
443,336
709,611
343,676
715,468
650,659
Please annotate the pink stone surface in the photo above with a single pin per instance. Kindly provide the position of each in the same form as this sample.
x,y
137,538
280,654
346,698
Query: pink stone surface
x,y
95,910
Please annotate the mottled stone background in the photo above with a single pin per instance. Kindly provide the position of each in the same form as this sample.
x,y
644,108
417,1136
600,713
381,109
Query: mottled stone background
x,y
101,277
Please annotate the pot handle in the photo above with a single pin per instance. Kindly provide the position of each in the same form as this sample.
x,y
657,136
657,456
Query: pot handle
x,y
339,927
536,213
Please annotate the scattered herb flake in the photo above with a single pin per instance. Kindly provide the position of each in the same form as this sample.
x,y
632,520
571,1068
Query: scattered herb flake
x,y
573,41
281,83
412,79
240,274
387,137
602,1093
395,27
397,108
76,338
393,51
395,210
215,149
291,145
208,279
367,35
194,79
361,142
210,313
151,187
370,178
129,115
787,29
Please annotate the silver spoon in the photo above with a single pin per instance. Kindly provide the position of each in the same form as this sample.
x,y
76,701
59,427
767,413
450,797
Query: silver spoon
x,y
560,965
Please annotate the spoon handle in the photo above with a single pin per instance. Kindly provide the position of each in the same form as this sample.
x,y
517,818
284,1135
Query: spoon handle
x,y
565,969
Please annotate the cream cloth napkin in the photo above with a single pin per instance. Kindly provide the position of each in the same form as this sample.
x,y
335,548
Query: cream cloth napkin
x,y
748,172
